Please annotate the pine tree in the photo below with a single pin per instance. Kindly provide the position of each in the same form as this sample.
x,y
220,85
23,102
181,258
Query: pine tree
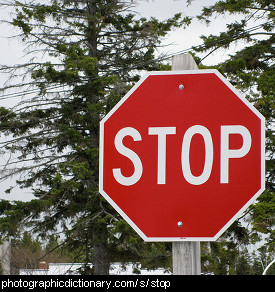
x,y
84,56
252,70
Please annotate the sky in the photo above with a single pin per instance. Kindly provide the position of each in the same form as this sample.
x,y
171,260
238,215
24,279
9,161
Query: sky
x,y
180,39
183,38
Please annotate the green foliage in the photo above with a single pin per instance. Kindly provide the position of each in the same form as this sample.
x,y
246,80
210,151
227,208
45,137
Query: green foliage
x,y
252,70
93,51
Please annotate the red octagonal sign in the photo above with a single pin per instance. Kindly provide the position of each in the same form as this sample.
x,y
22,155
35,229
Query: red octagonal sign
x,y
182,155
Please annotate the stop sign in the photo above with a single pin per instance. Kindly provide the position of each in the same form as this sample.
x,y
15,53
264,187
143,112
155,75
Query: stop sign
x,y
182,155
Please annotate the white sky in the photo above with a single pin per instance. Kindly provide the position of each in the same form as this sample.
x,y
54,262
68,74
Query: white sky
x,y
11,50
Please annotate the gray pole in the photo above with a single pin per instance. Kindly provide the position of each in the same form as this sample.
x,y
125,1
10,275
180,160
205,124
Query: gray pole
x,y
5,257
186,254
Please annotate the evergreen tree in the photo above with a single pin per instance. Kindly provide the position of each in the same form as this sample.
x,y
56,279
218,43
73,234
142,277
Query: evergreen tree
x,y
252,70
84,56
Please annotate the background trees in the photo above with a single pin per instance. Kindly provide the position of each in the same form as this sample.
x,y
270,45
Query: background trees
x,y
83,57
250,68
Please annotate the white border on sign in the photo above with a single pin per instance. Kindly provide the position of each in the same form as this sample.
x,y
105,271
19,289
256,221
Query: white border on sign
x,y
101,151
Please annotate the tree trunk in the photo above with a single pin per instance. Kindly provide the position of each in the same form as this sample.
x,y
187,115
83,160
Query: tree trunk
x,y
101,261
100,251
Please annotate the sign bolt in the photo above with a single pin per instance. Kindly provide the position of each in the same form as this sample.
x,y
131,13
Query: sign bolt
x,y
180,224
181,87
